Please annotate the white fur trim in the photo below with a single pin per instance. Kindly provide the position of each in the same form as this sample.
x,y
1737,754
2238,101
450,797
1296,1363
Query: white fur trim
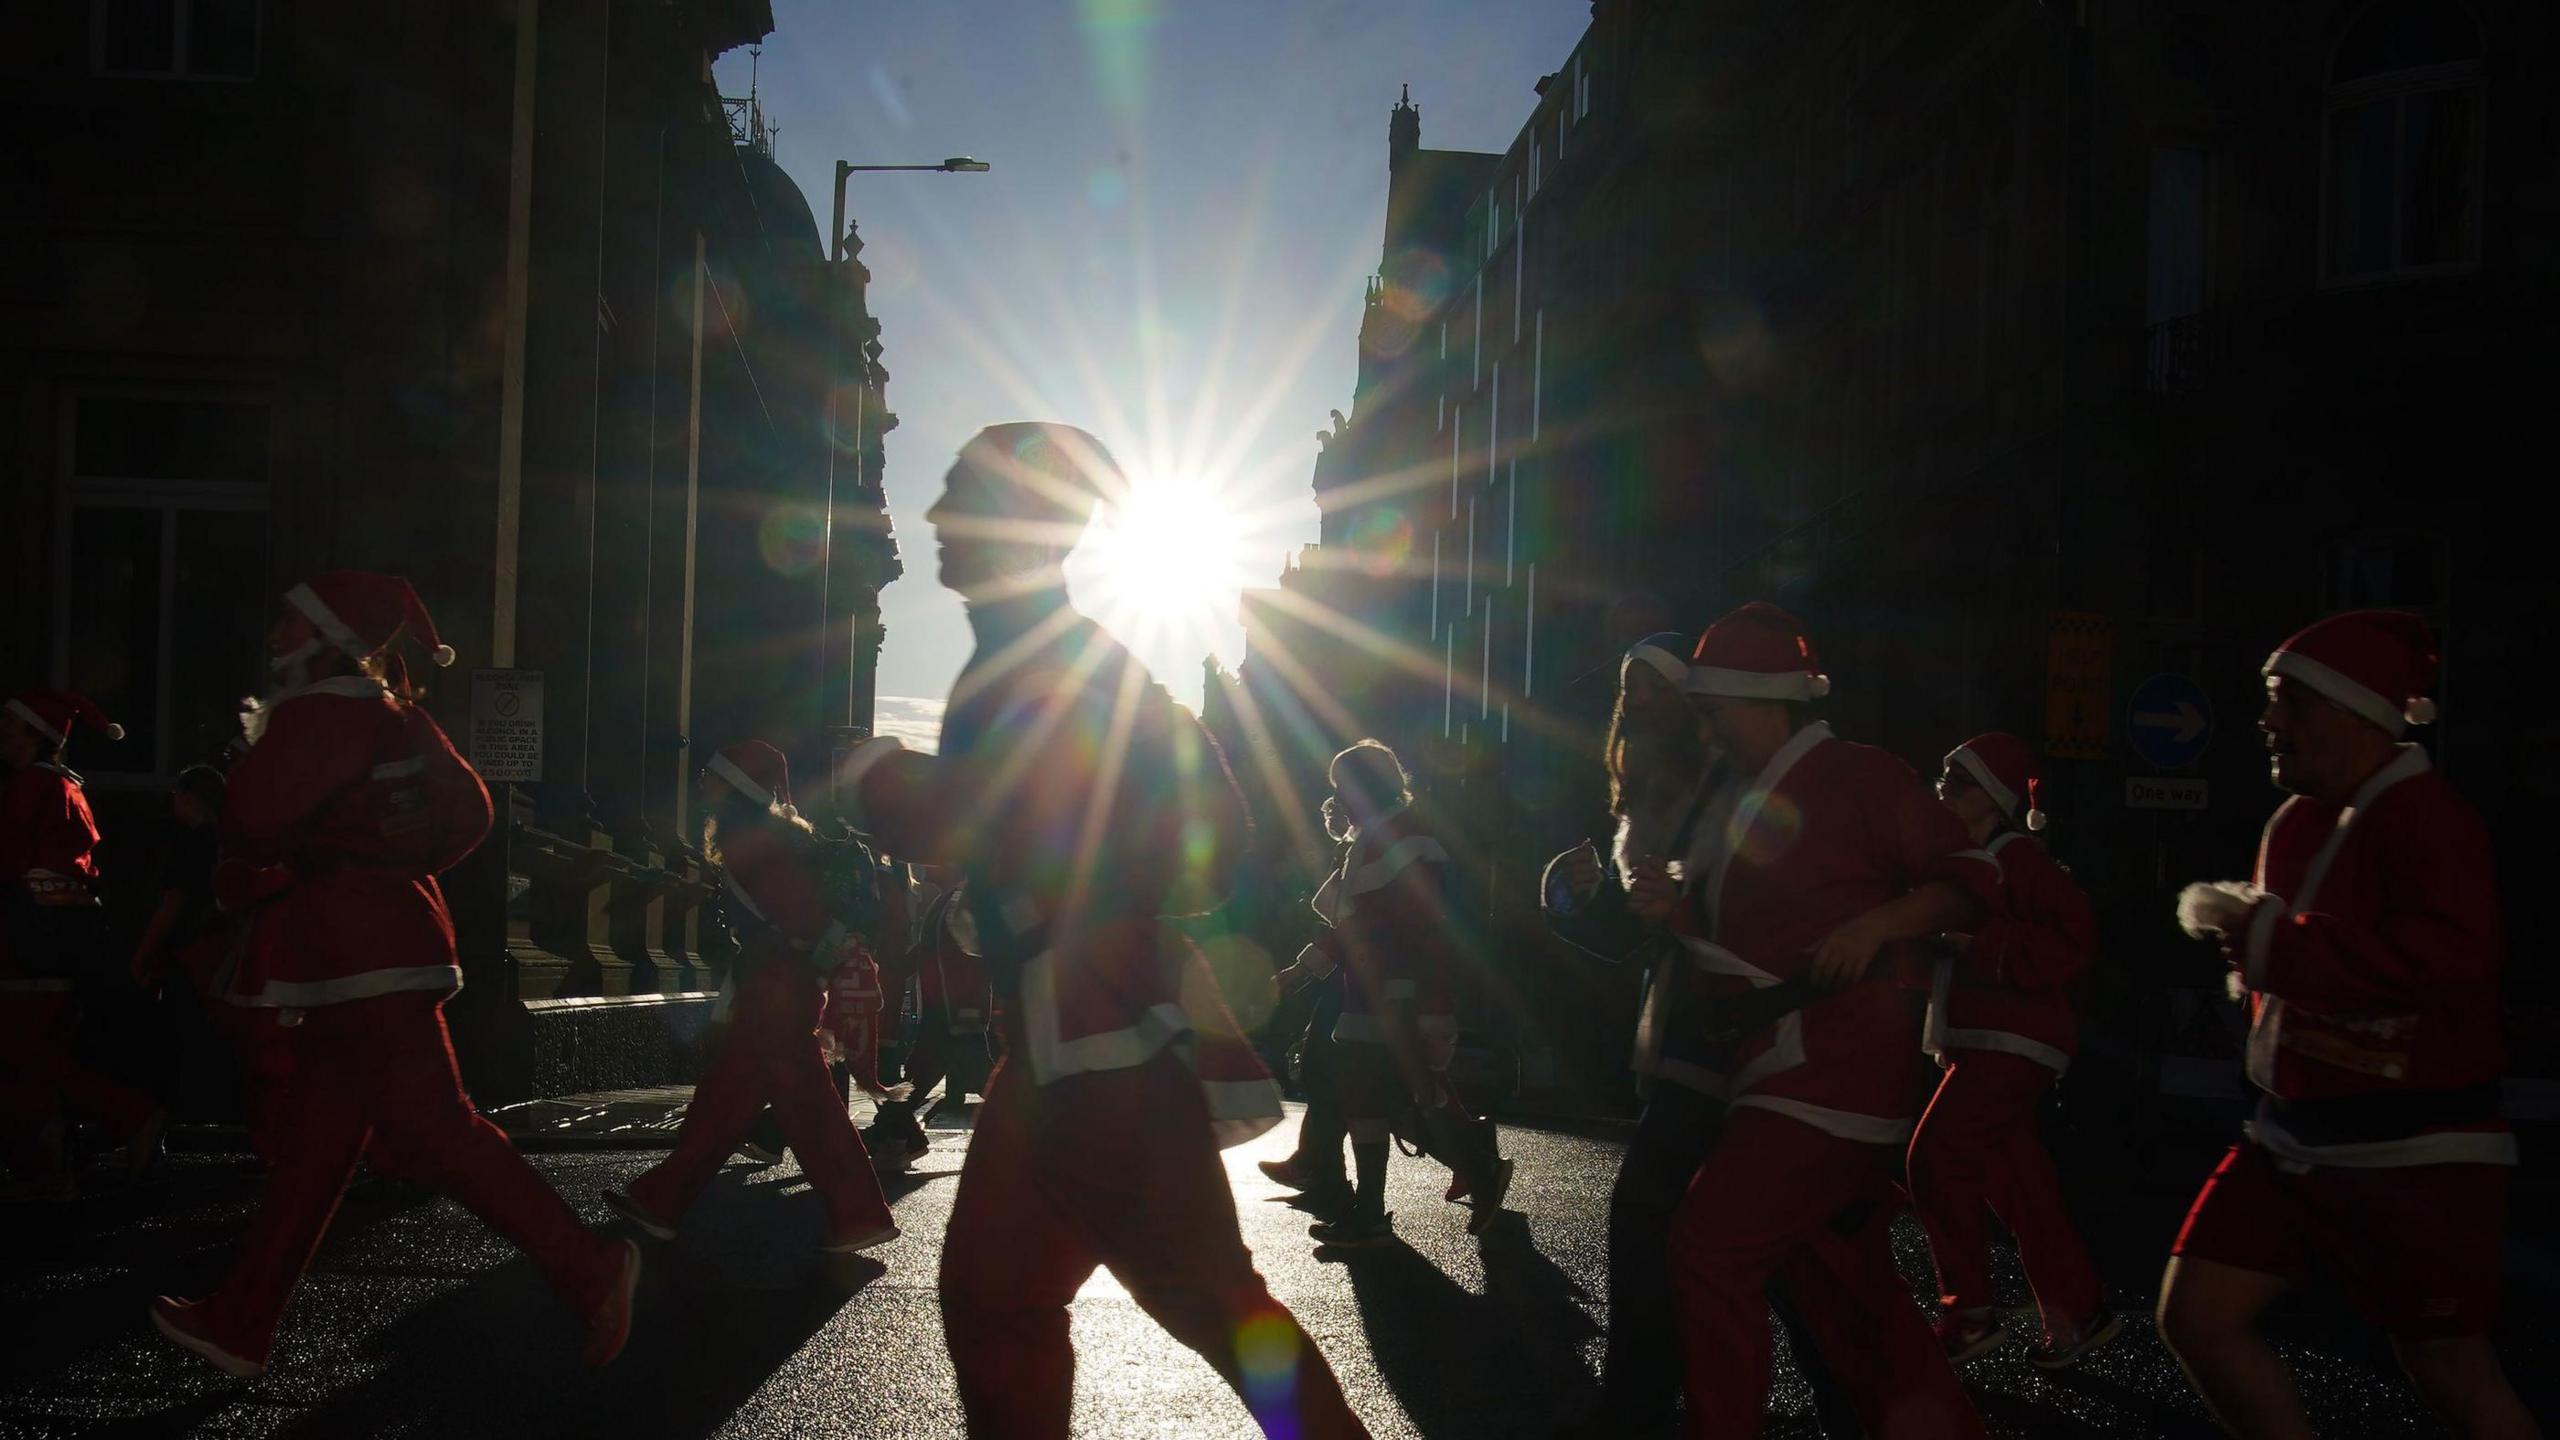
x,y
36,722
2036,821
2420,711
443,656
1665,664
2431,1147
2355,695
1755,684
739,780
1394,860
365,985
2007,1043
2001,795
1846,1124
2212,907
326,621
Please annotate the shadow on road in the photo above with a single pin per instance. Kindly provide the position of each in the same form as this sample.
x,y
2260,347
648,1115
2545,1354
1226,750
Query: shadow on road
x,y
1463,1364
720,1310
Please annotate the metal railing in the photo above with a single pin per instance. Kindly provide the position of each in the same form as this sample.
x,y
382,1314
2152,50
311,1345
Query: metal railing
x,y
748,124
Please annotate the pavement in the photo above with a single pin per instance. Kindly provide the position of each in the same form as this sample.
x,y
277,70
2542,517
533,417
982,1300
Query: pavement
x,y
416,1321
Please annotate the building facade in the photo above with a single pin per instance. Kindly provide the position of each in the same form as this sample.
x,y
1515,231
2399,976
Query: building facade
x,y
2053,361
500,296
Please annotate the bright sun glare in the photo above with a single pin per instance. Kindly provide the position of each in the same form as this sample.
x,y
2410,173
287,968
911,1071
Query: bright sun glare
x,y
1167,561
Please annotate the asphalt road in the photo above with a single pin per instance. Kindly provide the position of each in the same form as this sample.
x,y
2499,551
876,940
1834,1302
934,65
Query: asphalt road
x,y
417,1322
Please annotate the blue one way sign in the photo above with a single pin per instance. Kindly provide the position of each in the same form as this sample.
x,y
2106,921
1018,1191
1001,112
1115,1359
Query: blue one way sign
x,y
2170,721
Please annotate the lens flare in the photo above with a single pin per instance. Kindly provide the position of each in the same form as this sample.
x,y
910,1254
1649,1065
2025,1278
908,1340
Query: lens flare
x,y
1267,1356
791,538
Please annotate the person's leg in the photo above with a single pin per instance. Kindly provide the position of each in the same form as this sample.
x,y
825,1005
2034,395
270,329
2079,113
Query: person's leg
x,y
29,1044
2208,1318
321,1131
2246,1240
1952,1152
733,1090
2026,1194
1370,1091
1768,1185
1012,1259
1147,1182
2461,1376
821,1135
1640,1373
1853,1308
431,1133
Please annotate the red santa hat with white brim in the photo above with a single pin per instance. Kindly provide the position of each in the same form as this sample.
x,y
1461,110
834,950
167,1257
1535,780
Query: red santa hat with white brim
x,y
52,713
2006,770
361,613
757,771
2377,664
1758,652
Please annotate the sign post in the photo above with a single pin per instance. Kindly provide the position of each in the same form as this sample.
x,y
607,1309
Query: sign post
x,y
506,725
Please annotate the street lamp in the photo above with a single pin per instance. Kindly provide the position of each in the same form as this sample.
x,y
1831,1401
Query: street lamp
x,y
837,285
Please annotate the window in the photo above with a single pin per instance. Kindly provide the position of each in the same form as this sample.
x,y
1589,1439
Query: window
x,y
174,39
2174,284
161,569
2401,173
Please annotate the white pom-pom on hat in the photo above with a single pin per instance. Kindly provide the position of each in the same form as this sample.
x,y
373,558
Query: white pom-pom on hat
x,y
2421,711
2035,820
1819,685
442,655
114,731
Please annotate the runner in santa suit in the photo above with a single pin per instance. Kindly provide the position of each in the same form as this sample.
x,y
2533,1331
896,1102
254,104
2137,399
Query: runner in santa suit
x,y
51,939
1831,854
1083,806
2002,1029
775,877
2368,946
1387,927
1670,801
955,1017
347,805
1313,1167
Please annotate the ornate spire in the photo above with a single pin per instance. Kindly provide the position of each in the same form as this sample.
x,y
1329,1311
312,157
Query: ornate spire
x,y
1404,130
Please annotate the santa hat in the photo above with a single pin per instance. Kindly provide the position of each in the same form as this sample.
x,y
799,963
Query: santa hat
x,y
2378,664
52,713
757,771
1661,650
361,613
2006,770
1758,652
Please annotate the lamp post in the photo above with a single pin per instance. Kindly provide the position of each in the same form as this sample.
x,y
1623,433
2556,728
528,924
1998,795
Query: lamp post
x,y
837,287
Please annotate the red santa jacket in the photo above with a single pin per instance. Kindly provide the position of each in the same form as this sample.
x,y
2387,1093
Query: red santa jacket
x,y
2005,990
1828,831
2372,969
325,824
1387,921
1084,807
48,859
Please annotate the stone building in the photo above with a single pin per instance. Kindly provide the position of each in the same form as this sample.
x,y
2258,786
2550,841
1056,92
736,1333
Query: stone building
x,y
2052,360
498,295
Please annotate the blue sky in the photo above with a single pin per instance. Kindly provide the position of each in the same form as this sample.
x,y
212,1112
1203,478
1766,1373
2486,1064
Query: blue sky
x,y
1170,249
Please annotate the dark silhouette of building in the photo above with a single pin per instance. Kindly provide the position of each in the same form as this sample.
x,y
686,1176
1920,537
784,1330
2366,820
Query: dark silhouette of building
x,y
2030,351
500,296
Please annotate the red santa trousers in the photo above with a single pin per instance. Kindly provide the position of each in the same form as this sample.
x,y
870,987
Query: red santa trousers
x,y
1977,1149
1113,1168
1777,1196
769,1056
39,1071
380,1072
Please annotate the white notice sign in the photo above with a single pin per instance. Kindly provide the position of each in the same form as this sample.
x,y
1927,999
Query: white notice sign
x,y
506,724
2164,792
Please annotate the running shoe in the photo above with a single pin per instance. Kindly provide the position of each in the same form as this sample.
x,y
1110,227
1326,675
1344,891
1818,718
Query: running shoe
x,y
621,1203
609,1323
1970,1335
2061,1352
1489,1204
1354,1234
183,1322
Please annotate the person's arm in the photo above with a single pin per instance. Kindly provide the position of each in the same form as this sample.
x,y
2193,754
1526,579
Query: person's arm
x,y
147,965
312,749
1953,884
1591,917
2046,940
2437,934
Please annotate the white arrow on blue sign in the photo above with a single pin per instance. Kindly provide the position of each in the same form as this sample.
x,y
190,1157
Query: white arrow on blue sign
x,y
2169,721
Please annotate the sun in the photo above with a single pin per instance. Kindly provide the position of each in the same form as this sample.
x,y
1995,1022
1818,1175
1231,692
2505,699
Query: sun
x,y
1166,560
